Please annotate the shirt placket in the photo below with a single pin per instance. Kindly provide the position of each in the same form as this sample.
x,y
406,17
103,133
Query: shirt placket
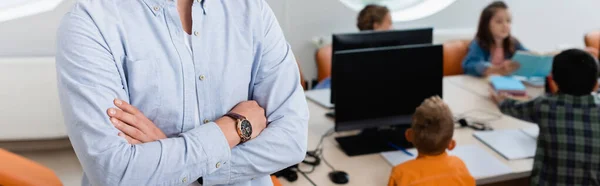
x,y
187,66
200,69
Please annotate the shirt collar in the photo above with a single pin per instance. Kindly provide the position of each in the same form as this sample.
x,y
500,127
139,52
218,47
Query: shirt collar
x,y
434,157
591,99
156,6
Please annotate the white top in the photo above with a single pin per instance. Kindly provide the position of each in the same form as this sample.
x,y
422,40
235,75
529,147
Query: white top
x,y
188,43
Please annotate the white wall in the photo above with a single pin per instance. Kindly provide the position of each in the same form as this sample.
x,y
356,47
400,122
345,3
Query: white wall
x,y
541,25
33,35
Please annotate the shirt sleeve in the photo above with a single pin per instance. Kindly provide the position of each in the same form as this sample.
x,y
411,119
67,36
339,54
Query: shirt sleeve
x,y
474,63
521,110
88,81
277,90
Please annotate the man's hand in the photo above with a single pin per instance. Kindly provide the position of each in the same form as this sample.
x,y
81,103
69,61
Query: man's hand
x,y
132,123
253,113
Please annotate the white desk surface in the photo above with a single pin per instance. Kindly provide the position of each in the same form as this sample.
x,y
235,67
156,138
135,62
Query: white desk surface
x,y
480,86
461,93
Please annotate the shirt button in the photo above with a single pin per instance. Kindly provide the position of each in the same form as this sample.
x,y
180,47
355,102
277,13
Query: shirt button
x,y
156,8
206,121
196,33
201,77
218,165
184,179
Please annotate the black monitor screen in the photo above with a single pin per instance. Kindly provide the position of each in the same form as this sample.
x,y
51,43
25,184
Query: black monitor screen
x,y
373,39
384,83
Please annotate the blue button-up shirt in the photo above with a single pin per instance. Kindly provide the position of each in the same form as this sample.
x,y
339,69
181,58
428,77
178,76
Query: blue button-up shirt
x,y
134,50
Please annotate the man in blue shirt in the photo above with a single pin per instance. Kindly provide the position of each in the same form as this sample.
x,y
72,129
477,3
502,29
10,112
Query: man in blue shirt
x,y
188,69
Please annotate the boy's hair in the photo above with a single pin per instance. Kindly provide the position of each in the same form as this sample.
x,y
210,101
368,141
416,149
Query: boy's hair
x,y
575,72
370,15
433,127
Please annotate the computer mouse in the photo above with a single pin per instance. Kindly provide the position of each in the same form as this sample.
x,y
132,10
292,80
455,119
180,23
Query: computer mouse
x,y
339,177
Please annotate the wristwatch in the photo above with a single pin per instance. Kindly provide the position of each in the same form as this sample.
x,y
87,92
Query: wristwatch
x,y
244,128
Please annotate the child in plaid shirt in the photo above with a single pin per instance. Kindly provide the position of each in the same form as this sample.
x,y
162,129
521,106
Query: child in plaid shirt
x,y
568,146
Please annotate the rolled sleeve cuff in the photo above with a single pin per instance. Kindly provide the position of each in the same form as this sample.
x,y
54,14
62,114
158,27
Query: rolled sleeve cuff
x,y
222,177
214,146
480,68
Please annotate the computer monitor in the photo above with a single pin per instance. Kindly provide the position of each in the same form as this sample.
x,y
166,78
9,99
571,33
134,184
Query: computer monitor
x,y
373,39
380,88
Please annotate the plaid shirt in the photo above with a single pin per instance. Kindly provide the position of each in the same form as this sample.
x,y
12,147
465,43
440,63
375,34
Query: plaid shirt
x,y
568,147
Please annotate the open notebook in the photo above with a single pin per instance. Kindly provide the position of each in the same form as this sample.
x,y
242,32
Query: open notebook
x,y
534,67
532,64
320,96
480,163
511,143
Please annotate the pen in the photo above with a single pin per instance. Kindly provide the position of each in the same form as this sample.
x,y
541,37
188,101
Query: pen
x,y
400,148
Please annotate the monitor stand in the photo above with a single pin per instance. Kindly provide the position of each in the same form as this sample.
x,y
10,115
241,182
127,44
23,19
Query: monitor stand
x,y
371,141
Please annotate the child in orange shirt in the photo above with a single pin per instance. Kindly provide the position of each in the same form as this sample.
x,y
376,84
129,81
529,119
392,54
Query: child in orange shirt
x,y
431,133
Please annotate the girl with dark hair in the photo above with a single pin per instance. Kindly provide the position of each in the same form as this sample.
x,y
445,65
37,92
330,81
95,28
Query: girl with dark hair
x,y
493,46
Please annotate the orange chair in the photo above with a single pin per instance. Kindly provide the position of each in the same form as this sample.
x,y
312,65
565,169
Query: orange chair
x,y
323,59
302,80
275,181
16,170
592,39
454,53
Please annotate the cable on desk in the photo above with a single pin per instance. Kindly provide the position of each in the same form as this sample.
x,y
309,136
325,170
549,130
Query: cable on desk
x,y
495,116
309,180
327,163
477,124
316,154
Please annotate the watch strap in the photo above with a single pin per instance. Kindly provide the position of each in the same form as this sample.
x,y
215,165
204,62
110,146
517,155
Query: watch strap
x,y
235,116
239,118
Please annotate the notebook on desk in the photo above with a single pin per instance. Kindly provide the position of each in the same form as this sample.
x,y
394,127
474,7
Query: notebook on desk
x,y
512,144
480,163
320,96
504,84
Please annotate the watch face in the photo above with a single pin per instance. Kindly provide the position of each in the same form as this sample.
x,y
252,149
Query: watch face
x,y
246,128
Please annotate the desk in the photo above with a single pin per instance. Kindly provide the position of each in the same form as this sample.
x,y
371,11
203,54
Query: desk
x,y
373,169
480,86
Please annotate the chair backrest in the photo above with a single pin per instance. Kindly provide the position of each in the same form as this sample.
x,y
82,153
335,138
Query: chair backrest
x,y
17,170
323,60
454,53
275,180
302,80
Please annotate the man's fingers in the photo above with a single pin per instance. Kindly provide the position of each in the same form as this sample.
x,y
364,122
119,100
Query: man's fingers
x,y
127,118
129,130
129,139
123,105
